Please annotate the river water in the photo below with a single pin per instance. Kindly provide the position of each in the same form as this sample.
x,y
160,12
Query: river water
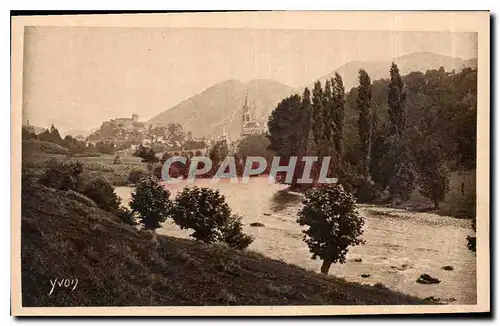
x,y
400,245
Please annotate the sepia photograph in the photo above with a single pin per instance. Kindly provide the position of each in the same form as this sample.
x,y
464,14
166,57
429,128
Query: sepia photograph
x,y
250,163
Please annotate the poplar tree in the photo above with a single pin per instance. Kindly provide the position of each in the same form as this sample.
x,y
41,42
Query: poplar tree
x,y
396,99
338,115
365,120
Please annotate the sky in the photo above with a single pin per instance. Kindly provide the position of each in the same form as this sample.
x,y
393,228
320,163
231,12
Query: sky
x,y
77,77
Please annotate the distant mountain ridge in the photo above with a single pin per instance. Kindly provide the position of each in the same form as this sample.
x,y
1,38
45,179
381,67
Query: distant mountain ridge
x,y
221,105
206,113
421,61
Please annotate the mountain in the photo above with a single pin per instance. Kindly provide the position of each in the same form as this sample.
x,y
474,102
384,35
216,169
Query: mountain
x,y
206,113
380,69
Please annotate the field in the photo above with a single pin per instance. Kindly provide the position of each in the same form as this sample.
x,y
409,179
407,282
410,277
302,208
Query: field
x,y
36,159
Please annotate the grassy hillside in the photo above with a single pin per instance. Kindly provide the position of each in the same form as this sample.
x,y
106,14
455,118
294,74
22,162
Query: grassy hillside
x,y
65,236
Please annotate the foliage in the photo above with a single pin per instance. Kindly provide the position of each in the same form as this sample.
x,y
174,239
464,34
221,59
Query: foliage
x,y
63,176
103,194
135,176
105,147
219,152
301,126
254,145
51,135
27,133
206,212
398,169
150,203
333,224
126,216
147,154
396,101
434,181
365,120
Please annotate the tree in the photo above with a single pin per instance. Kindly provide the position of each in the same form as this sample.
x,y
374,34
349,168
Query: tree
x,y
150,203
147,154
55,137
206,212
175,134
282,126
398,166
364,103
219,152
434,183
28,133
254,145
396,102
63,176
338,97
105,147
333,224
103,194
317,119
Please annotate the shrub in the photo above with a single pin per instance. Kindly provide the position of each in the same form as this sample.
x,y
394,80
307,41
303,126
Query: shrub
x,y
434,183
103,194
147,154
232,233
126,216
334,224
135,176
206,212
150,203
63,176
367,192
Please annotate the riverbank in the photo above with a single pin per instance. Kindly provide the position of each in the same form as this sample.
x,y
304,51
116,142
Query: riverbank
x,y
115,264
400,244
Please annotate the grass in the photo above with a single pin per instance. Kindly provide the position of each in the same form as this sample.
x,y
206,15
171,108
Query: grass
x,y
118,265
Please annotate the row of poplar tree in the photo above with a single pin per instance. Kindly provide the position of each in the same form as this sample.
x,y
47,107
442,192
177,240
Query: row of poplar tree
x,y
389,160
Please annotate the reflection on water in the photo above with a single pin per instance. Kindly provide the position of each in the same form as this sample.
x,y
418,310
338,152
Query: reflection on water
x,y
400,245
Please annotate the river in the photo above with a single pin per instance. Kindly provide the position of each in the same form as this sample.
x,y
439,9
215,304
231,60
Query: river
x,y
400,245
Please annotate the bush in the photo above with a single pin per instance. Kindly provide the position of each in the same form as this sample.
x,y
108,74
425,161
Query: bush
x,y
135,176
150,203
368,192
334,224
126,216
147,154
434,183
206,212
103,194
63,176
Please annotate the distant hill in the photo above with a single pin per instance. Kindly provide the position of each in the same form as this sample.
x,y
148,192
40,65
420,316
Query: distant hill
x,y
205,113
380,69
79,132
